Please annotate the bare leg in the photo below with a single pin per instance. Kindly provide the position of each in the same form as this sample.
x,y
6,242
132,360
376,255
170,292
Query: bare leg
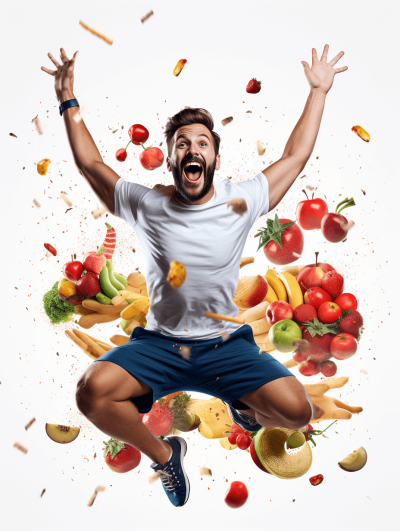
x,y
103,394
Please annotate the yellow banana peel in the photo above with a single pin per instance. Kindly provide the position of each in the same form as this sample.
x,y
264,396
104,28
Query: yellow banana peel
x,y
271,296
293,289
277,285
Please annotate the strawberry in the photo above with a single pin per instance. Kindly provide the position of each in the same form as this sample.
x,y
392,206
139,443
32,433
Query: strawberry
x,y
319,336
253,86
159,419
351,323
88,285
121,457
333,283
95,261
110,242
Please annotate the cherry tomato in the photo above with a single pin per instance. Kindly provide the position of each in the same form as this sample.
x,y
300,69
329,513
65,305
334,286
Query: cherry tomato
x,y
232,437
343,346
236,495
243,441
138,134
73,270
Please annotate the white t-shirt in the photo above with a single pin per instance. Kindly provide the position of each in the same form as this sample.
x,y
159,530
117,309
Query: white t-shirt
x,y
207,239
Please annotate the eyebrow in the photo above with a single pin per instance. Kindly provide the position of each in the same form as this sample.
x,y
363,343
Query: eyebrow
x,y
184,136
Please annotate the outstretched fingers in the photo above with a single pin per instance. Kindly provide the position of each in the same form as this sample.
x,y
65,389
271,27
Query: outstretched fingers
x,y
314,56
336,59
53,60
63,56
324,55
342,69
51,72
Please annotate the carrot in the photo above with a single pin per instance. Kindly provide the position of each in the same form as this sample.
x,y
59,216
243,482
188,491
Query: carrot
x,y
255,313
110,241
260,326
119,340
224,318
87,321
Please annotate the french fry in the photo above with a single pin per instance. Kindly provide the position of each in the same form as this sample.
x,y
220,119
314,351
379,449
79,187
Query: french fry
x,y
146,17
136,279
87,321
89,342
224,318
179,65
98,34
81,344
66,199
81,310
102,344
260,326
119,340
255,313
98,212
103,309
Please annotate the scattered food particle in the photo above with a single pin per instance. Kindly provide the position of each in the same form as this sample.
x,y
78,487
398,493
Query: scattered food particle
x,y
115,131
185,352
238,204
68,209
227,121
98,212
20,447
316,480
361,132
36,203
303,176
108,41
66,199
93,497
50,248
42,166
146,16
308,187
12,134
43,491
249,111
177,274
260,148
364,371
179,65
364,192
30,423
38,124
205,471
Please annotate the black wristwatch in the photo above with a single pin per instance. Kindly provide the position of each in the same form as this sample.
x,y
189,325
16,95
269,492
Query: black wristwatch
x,y
67,104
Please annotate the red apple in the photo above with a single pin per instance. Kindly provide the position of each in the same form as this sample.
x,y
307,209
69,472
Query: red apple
x,y
304,313
250,291
309,213
316,297
334,226
88,285
333,283
73,270
329,312
279,310
346,301
343,346
328,368
314,280
151,158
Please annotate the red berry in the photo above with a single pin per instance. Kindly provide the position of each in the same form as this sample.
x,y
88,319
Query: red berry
x,y
121,155
243,441
232,437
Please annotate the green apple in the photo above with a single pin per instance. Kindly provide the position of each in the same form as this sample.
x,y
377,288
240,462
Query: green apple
x,y
283,333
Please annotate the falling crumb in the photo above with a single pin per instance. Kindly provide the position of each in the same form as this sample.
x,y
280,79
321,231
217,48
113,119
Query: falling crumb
x,y
20,447
66,199
364,192
345,240
146,16
161,144
308,187
238,204
248,111
260,148
115,130
30,423
36,203
185,352
303,176
98,212
12,134
133,250
43,491
94,457
38,124
364,371
205,471
227,121
93,497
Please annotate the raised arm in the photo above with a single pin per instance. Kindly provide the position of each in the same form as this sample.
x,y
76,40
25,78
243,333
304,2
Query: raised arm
x,y
282,174
88,160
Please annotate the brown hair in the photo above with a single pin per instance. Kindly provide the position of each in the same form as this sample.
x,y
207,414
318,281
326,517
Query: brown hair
x,y
188,116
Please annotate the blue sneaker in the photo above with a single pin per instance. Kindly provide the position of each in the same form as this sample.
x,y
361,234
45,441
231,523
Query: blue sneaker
x,y
241,419
173,476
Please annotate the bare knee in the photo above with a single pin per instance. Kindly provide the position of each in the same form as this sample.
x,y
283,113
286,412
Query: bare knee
x,y
300,414
88,393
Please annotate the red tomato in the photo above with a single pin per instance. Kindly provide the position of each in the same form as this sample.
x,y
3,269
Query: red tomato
x,y
329,312
346,301
121,155
243,441
73,270
309,213
138,134
124,459
255,458
236,495
232,437
343,346
292,242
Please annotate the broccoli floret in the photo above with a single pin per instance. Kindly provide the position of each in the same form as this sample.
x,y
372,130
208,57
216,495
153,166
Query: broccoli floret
x,y
57,310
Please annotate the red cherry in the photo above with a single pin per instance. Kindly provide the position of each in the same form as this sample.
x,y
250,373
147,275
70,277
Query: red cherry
x,y
308,368
232,437
138,134
243,441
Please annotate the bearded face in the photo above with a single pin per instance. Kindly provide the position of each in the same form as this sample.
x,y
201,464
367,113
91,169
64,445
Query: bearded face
x,y
193,178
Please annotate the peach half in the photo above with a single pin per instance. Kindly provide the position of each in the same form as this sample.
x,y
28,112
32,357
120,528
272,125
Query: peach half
x,y
250,291
62,434
354,461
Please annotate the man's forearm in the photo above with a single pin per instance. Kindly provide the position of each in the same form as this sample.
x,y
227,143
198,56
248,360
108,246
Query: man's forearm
x,y
82,144
302,140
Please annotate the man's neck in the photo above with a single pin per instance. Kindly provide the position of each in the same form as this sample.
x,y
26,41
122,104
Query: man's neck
x,y
201,201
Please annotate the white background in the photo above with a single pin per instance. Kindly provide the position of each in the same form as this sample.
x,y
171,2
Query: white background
x,y
225,44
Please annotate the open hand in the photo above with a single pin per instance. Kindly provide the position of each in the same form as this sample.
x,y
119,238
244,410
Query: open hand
x,y
321,73
64,75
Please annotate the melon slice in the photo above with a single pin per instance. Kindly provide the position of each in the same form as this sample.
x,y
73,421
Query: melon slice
x,y
269,445
354,461
62,434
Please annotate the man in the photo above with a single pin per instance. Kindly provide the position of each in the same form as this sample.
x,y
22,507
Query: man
x,y
190,223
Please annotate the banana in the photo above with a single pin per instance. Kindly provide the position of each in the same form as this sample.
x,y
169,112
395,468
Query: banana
x,y
294,270
276,284
271,296
293,289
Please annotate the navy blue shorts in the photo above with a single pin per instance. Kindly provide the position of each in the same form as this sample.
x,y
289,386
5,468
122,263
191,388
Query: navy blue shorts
x,y
224,369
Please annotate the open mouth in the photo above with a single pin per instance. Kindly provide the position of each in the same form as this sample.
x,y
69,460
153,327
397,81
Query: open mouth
x,y
193,172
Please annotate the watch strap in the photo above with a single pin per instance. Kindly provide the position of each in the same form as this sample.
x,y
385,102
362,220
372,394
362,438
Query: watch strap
x,y
67,104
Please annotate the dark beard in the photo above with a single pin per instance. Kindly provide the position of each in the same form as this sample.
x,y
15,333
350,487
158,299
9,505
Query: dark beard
x,y
178,179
